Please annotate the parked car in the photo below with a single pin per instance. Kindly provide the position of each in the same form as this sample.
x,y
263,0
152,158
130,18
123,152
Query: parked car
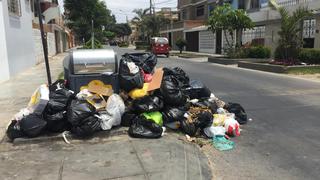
x,y
160,45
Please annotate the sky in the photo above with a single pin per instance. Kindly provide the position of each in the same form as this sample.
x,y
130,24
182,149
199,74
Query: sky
x,y
123,8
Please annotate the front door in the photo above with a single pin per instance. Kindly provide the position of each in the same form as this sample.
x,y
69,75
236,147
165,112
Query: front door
x,y
192,39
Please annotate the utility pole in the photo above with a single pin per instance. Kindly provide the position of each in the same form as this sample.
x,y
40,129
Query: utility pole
x,y
92,33
44,43
150,7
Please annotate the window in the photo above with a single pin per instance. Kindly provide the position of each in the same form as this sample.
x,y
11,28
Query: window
x,y
184,15
309,28
200,10
14,7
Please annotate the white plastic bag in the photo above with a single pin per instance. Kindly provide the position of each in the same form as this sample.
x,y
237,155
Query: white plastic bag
x,y
232,127
83,94
114,111
213,131
133,68
21,114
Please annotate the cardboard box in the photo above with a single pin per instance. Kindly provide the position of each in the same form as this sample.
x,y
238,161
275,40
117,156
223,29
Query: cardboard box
x,y
156,80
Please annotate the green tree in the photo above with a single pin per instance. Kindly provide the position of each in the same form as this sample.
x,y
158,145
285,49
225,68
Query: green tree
x,y
138,21
121,30
79,15
181,43
290,41
148,25
109,35
229,20
153,24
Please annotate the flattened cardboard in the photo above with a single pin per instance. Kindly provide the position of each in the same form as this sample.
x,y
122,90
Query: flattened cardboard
x,y
100,88
97,101
156,80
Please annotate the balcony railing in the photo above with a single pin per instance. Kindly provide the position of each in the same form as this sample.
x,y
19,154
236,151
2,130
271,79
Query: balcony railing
x,y
292,2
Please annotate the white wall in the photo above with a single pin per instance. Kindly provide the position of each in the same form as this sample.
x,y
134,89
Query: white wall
x,y
38,45
4,67
19,38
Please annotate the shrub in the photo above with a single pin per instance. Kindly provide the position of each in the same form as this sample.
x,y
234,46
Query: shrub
x,y
258,52
123,44
181,43
88,44
249,52
142,45
310,56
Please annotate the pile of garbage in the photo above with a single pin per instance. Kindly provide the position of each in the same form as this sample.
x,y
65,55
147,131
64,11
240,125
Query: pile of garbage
x,y
150,101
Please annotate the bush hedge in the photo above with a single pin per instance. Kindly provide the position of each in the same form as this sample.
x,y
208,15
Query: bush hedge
x,y
310,56
123,44
141,45
88,44
250,52
258,52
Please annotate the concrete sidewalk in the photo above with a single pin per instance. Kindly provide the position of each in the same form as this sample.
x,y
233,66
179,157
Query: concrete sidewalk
x,y
198,53
15,93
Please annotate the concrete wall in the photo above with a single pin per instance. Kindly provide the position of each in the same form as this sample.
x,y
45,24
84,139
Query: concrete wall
x,y
19,38
271,35
4,66
38,45
317,35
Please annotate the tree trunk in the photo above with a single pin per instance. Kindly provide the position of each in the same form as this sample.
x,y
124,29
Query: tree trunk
x,y
239,38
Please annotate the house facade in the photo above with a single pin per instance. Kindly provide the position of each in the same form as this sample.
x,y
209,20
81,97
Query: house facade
x,y
20,40
16,38
194,15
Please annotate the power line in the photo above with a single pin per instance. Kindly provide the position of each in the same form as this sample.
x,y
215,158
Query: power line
x,y
163,2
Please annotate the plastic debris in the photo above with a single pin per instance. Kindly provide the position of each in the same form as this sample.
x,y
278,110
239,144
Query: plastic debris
x,y
222,144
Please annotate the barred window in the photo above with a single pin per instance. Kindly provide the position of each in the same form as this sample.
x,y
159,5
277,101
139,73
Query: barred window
x,y
14,7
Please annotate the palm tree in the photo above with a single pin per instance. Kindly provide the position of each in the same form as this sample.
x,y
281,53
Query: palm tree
x,y
290,41
138,21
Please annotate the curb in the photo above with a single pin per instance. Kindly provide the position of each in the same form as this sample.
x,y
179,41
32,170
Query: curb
x,y
58,137
227,61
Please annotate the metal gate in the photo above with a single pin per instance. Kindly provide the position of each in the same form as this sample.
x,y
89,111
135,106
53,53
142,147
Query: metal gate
x,y
207,42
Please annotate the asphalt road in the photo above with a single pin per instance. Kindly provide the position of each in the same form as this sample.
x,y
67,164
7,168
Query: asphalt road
x,y
283,139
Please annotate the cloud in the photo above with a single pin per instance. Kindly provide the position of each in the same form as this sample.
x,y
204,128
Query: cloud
x,y
123,8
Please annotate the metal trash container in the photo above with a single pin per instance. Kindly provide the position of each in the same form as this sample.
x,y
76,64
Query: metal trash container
x,y
83,66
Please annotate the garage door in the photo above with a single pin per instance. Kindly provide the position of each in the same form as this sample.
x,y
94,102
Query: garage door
x,y
207,42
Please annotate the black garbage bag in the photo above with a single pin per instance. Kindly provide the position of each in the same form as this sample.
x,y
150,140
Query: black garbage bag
x,y
127,80
87,127
172,114
147,104
79,110
57,122
146,61
143,128
127,119
33,125
204,119
207,104
188,128
130,82
179,74
60,83
58,100
238,110
171,92
197,90
14,131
